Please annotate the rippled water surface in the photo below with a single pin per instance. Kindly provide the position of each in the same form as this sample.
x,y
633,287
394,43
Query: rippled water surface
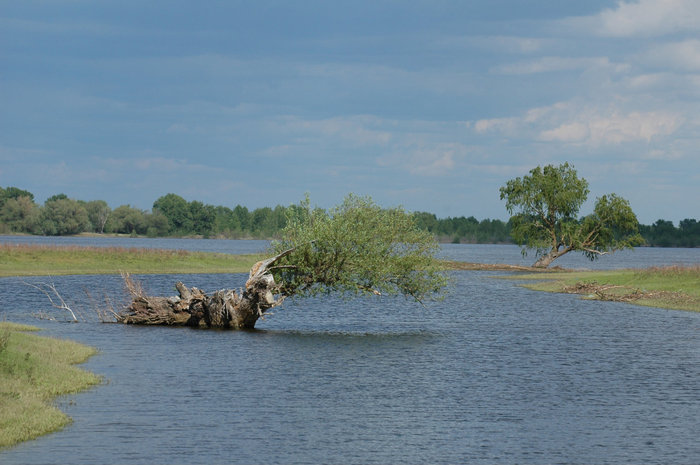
x,y
493,374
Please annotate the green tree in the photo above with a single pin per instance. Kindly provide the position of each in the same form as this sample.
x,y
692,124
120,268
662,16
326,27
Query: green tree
x,y
13,193
202,216
62,216
427,221
243,216
226,223
689,230
56,197
356,248
20,214
177,211
156,224
546,204
127,220
98,212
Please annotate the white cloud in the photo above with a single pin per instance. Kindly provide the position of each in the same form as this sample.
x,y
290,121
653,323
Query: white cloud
x,y
664,155
578,123
567,132
614,128
683,55
649,18
496,124
428,159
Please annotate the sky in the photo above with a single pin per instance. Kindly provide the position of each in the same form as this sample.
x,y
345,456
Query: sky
x,y
432,105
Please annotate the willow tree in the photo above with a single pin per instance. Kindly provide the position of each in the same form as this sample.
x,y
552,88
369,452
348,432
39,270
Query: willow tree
x,y
354,249
546,205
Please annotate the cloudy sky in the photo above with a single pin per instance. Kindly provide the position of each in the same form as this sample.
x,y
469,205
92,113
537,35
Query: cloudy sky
x,y
429,104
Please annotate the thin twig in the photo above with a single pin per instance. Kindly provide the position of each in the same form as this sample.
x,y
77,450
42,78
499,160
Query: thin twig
x,y
42,287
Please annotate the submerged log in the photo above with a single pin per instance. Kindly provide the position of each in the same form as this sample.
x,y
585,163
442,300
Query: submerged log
x,y
225,308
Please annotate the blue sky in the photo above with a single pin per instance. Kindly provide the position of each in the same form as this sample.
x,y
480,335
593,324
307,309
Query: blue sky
x,y
432,105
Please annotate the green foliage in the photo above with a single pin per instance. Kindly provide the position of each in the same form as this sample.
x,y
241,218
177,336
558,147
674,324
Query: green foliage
x,y
612,226
545,206
98,213
664,234
176,210
20,214
63,216
127,220
56,197
464,230
547,202
14,193
356,248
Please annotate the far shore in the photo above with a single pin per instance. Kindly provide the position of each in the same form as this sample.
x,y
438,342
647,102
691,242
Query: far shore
x,y
667,287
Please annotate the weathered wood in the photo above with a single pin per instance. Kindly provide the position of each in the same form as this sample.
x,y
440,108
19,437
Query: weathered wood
x,y
226,308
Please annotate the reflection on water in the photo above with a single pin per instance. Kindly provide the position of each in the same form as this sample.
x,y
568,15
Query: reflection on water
x,y
493,374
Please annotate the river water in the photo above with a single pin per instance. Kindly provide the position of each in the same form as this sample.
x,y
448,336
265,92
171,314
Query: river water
x,y
495,373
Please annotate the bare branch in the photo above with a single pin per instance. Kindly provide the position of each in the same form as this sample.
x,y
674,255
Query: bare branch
x,y
45,288
597,252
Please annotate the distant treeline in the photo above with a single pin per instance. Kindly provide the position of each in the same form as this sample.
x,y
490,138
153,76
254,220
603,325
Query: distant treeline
x,y
173,216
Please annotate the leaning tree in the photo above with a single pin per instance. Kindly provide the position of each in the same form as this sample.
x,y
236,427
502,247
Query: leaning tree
x,y
354,249
546,205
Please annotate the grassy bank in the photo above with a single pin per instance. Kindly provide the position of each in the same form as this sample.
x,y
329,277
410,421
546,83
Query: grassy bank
x,y
35,260
33,371
672,287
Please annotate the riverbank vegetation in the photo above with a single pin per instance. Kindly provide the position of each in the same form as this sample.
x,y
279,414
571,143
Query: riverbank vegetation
x,y
173,216
39,260
355,249
33,371
545,206
672,287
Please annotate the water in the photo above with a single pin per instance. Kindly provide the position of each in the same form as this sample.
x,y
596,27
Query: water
x,y
476,253
495,373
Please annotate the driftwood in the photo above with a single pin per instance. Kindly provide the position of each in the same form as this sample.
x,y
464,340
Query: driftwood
x,y
226,308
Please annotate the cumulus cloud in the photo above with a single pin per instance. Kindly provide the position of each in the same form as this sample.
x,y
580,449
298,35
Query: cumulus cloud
x,y
569,122
648,18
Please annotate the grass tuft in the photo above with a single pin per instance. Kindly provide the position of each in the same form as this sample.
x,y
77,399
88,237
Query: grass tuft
x,y
33,371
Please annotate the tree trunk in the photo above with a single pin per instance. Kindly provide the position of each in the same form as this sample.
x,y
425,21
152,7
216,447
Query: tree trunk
x,y
545,260
224,309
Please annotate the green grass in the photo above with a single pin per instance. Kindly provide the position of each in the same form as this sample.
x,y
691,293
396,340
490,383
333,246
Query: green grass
x,y
34,260
672,287
33,371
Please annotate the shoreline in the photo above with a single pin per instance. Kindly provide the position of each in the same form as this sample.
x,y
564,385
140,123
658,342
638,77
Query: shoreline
x,y
675,287
34,371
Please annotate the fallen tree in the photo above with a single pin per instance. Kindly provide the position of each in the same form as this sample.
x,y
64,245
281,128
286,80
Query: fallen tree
x,y
356,248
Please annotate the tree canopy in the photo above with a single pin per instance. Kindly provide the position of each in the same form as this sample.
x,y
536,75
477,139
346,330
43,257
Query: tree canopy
x,y
546,204
356,248
172,215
